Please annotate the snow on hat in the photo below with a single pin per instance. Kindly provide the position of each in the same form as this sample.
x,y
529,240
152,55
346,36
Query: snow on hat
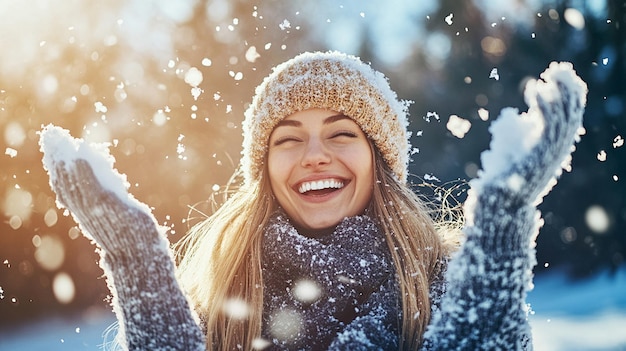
x,y
332,81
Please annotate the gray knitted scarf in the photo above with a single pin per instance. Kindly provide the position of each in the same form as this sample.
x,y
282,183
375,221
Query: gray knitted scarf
x,y
329,292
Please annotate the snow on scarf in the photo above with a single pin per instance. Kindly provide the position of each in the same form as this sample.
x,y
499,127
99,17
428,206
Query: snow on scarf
x,y
334,292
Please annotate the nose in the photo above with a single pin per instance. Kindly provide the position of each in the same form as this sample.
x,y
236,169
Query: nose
x,y
315,154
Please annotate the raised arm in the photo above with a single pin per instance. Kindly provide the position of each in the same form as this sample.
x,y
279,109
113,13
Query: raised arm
x,y
152,311
484,307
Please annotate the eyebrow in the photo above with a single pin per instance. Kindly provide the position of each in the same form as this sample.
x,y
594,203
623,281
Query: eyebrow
x,y
335,118
327,120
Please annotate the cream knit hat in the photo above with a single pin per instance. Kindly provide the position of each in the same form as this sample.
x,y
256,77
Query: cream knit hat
x,y
332,81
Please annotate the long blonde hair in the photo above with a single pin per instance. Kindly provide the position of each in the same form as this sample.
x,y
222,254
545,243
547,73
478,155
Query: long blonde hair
x,y
221,258
419,248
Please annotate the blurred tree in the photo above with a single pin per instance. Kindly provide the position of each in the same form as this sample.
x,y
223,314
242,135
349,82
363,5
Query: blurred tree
x,y
484,64
121,73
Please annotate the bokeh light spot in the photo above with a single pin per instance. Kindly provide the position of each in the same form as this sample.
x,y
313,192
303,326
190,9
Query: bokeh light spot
x,y
15,222
568,235
597,219
18,202
236,308
63,288
574,18
306,291
50,253
14,134
159,118
285,325
51,217
73,233
493,46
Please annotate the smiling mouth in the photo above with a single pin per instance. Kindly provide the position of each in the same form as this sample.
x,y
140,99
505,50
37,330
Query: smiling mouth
x,y
322,186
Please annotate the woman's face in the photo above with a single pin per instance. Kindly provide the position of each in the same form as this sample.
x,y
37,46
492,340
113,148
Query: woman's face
x,y
320,167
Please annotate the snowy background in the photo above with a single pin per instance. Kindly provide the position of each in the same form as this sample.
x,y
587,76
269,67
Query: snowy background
x,y
166,84
587,315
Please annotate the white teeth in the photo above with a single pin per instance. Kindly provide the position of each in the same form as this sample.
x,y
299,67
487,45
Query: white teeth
x,y
319,185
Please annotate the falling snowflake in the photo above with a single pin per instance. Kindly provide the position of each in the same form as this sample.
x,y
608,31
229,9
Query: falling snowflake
x,y
100,108
494,74
430,115
180,148
252,54
430,177
449,19
483,114
284,25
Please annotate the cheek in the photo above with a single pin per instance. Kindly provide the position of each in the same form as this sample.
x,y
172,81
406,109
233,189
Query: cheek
x,y
273,170
362,163
278,170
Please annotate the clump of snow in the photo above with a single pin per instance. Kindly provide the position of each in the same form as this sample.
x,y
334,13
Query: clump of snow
x,y
458,126
252,54
285,24
10,152
100,107
513,136
58,147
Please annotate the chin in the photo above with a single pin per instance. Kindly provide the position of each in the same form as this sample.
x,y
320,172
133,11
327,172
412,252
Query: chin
x,y
324,224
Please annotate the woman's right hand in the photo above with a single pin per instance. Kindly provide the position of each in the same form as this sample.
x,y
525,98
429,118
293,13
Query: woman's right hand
x,y
99,203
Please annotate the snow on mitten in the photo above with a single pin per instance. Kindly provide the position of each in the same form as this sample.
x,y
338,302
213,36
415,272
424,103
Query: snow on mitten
x,y
96,196
528,151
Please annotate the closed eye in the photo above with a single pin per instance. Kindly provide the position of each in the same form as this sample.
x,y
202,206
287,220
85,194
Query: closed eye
x,y
344,133
283,140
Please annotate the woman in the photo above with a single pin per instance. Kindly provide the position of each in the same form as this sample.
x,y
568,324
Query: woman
x,y
324,245
289,140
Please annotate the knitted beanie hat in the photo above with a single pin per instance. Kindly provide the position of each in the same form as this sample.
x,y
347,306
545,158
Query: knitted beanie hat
x,y
332,81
